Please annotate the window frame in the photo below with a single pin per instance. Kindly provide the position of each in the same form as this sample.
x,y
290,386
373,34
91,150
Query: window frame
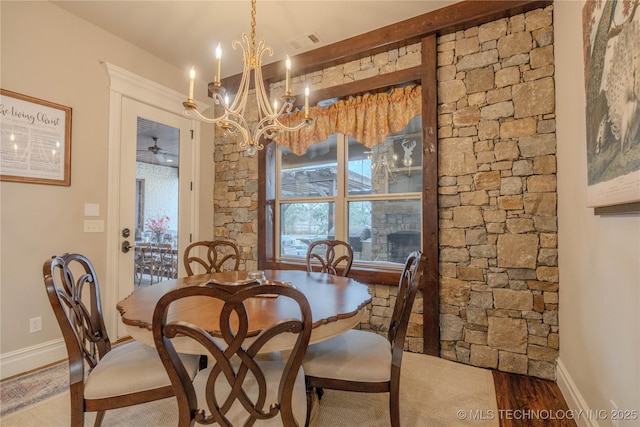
x,y
341,200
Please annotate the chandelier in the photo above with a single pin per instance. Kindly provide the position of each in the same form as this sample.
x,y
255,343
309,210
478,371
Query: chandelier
x,y
232,120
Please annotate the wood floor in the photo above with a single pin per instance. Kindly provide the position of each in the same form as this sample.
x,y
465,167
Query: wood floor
x,y
530,402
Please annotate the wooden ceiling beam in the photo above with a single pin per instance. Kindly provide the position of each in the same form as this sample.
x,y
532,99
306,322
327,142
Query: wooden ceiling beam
x,y
362,86
452,18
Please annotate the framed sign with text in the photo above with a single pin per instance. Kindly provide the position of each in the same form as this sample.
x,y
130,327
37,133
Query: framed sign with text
x,y
35,140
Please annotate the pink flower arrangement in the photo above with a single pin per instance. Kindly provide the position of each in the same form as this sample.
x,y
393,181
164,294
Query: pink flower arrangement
x,y
159,225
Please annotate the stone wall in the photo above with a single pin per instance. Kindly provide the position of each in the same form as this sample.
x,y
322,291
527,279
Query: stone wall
x,y
497,193
235,199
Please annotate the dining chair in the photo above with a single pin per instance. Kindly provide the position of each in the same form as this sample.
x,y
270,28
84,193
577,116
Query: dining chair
x,y
165,263
362,361
238,388
330,256
101,377
220,255
144,261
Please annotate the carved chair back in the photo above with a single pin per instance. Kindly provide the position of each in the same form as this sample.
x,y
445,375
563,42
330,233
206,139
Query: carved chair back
x,y
330,256
220,255
74,294
408,286
238,388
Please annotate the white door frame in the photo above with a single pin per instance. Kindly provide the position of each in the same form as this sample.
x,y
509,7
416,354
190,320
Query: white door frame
x,y
126,84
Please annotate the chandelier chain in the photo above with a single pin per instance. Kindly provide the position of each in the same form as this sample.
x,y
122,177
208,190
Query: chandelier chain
x,y
253,30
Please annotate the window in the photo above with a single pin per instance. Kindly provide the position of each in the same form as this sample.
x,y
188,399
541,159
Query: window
x,y
370,197
139,213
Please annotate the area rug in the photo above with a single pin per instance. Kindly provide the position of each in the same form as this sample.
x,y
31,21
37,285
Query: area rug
x,y
34,387
434,393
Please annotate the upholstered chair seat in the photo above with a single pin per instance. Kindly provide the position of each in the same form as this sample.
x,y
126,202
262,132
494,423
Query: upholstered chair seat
x,y
353,356
131,368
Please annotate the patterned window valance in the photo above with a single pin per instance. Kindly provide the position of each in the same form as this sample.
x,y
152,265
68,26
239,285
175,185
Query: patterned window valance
x,y
368,119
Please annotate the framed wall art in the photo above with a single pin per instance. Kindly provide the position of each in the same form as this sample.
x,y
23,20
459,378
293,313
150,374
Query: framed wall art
x,y
611,36
35,140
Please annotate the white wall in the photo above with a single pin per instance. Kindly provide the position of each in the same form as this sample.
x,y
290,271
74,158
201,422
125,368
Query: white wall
x,y
160,192
50,54
599,256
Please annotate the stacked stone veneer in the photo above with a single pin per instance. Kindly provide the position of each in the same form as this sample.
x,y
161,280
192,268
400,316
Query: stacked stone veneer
x,y
497,193
235,200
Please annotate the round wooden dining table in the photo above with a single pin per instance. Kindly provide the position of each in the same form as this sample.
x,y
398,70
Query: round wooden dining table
x,y
337,305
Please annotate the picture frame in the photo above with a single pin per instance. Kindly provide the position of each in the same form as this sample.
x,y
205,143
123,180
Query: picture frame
x,y
35,140
611,34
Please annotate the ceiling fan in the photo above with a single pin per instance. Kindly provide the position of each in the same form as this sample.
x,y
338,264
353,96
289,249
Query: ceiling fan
x,y
158,152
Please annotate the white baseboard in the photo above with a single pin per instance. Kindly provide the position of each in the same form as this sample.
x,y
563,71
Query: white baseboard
x,y
574,398
29,358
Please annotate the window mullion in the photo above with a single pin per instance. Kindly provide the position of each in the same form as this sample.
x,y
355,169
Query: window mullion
x,y
277,208
341,214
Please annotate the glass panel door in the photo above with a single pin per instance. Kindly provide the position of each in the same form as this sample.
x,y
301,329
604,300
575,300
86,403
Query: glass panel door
x,y
157,194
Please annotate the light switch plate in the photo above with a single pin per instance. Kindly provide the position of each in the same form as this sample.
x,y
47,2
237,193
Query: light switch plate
x,y
91,209
93,226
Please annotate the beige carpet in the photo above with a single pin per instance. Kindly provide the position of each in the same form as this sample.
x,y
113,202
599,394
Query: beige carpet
x,y
433,391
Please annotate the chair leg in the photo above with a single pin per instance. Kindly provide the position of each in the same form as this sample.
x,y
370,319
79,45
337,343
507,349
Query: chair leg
x,y
394,409
309,402
319,392
99,418
77,416
76,406
203,362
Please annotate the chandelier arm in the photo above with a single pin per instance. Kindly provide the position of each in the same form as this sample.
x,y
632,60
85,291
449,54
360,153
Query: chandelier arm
x,y
238,128
237,120
219,100
264,106
271,130
265,127
240,99
286,107
228,113
231,120
299,126
199,116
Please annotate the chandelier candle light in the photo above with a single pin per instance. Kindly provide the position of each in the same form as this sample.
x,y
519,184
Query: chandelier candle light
x,y
233,119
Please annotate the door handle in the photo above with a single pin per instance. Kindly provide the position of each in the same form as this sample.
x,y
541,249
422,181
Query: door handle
x,y
126,246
